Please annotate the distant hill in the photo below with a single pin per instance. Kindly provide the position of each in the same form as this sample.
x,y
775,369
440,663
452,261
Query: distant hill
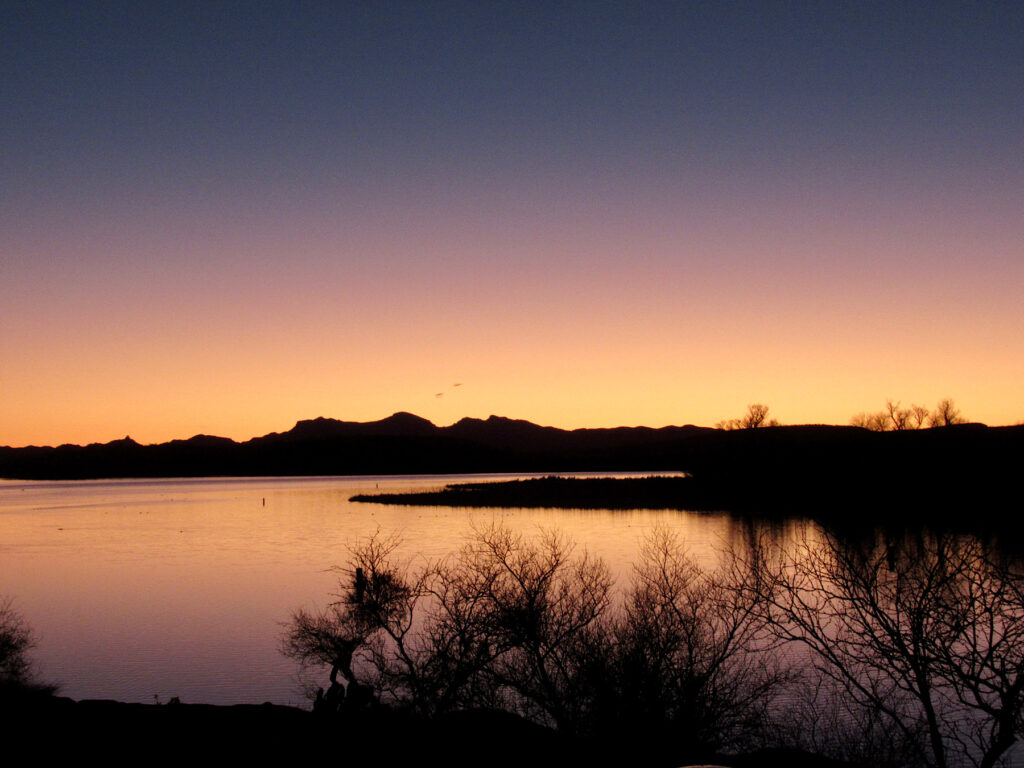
x,y
778,467
400,444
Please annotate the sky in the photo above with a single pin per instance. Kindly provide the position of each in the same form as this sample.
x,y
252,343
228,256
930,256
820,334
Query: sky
x,y
223,217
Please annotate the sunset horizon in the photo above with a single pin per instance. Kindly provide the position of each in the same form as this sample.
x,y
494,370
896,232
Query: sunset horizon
x,y
221,219
513,382
717,424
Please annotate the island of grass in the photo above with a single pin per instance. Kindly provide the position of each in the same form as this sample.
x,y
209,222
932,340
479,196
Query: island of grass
x,y
969,498
651,492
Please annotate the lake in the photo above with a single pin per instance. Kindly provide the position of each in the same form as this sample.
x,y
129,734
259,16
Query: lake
x,y
140,590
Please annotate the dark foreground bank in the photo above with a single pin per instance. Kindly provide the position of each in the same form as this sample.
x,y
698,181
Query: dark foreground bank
x,y
117,733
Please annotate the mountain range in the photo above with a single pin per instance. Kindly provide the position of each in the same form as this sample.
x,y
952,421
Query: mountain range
x,y
400,444
952,465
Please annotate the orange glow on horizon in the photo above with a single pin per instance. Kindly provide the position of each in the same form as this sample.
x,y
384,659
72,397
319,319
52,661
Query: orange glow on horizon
x,y
670,312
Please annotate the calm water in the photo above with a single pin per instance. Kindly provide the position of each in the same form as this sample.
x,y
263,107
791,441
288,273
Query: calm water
x,y
144,588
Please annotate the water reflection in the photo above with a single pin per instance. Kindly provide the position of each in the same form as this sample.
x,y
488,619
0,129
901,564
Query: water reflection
x,y
143,588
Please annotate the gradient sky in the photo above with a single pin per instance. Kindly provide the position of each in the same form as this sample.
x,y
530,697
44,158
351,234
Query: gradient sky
x,y
223,217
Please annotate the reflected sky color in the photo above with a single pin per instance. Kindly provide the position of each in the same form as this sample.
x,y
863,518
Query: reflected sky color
x,y
222,218
181,588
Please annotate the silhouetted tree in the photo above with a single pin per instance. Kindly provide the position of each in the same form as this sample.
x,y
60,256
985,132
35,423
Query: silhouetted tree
x,y
376,599
692,656
876,422
545,608
529,625
925,636
16,640
918,416
503,617
756,416
896,419
946,413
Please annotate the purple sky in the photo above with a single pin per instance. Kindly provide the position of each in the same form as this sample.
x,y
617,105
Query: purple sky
x,y
223,217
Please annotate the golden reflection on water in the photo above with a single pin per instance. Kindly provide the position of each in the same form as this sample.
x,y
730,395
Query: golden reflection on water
x,y
179,587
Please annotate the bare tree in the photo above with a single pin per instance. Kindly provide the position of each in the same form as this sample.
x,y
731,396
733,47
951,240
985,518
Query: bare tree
x,y
981,652
755,417
527,624
377,600
927,635
505,614
545,609
821,719
876,422
898,418
946,413
16,640
692,657
918,416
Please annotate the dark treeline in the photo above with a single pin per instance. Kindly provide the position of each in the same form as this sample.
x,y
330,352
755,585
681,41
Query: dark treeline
x,y
766,470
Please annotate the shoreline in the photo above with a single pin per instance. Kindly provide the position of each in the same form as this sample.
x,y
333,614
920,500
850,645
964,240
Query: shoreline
x,y
841,497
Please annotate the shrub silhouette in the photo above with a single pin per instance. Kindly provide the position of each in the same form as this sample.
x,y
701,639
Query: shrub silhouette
x,y
689,653
913,647
16,639
530,626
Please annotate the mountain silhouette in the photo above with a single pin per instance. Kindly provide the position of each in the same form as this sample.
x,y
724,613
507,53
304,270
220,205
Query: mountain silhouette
x,y
777,467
